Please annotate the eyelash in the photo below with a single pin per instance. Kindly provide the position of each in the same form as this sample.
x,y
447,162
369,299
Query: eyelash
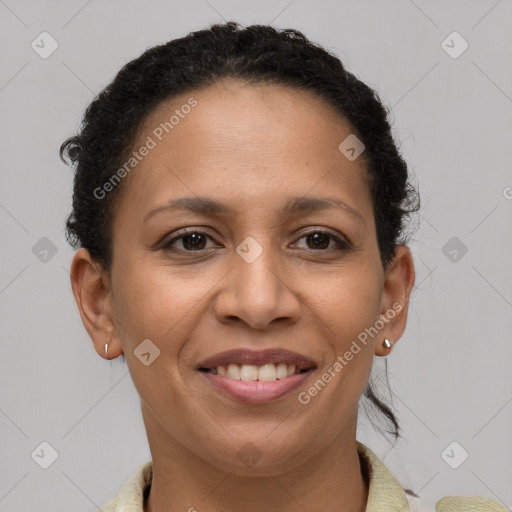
x,y
342,245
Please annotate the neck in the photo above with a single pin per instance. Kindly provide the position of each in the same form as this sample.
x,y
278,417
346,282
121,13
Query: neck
x,y
334,480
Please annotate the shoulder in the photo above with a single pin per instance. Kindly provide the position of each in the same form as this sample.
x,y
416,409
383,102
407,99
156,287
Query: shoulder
x,y
385,493
469,504
457,504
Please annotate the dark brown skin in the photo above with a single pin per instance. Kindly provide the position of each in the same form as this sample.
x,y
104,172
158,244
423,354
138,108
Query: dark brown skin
x,y
249,147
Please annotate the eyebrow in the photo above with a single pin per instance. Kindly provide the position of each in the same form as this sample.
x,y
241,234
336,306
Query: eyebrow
x,y
293,205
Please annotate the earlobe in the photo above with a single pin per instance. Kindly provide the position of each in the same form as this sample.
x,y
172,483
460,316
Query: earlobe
x,y
92,292
396,291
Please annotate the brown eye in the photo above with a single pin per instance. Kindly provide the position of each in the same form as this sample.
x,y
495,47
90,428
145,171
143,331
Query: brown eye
x,y
190,241
193,241
320,240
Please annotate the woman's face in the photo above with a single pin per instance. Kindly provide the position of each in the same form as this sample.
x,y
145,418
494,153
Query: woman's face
x,y
265,268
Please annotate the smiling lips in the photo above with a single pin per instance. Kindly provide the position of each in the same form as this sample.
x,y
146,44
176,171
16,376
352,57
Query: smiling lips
x,y
257,376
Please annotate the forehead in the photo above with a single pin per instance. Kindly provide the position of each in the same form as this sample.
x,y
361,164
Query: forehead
x,y
242,141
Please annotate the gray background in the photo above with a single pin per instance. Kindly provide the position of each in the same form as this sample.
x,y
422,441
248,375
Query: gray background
x,y
450,372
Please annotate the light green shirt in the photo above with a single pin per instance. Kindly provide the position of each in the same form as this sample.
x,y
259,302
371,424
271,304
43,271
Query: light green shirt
x,y
385,494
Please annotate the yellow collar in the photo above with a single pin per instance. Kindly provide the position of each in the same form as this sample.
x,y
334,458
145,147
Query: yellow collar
x,y
385,494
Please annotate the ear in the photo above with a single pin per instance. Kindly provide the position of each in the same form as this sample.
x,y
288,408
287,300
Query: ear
x,y
396,290
93,294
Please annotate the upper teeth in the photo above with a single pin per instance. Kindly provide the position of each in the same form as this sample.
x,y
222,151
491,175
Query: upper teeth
x,y
246,372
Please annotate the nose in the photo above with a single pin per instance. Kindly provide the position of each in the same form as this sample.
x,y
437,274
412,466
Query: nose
x,y
257,291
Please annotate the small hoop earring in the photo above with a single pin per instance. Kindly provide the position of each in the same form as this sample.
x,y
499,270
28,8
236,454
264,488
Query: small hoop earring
x,y
106,349
387,343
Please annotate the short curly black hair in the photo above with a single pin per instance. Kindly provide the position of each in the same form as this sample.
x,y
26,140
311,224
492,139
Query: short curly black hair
x,y
255,54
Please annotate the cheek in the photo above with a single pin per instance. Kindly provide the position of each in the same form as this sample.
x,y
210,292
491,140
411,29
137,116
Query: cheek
x,y
348,302
348,305
152,303
349,299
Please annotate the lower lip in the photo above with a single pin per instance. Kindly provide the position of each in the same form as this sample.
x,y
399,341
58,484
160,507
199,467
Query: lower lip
x,y
255,391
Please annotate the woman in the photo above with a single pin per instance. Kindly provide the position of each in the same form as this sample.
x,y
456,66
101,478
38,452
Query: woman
x,y
240,207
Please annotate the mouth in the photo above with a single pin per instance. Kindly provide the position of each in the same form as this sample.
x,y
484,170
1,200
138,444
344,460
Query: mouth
x,y
257,376
248,372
